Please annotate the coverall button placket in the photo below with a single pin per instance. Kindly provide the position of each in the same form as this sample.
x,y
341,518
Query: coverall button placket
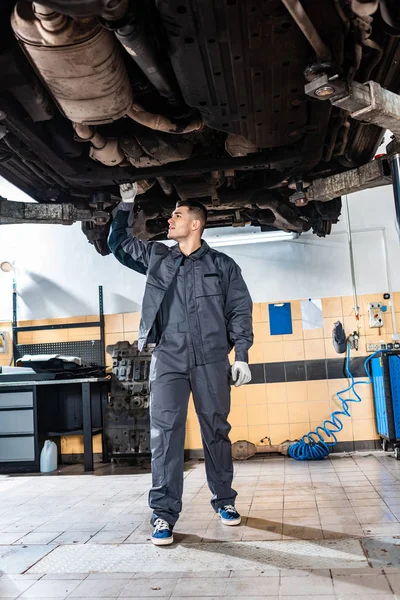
x,y
195,332
188,285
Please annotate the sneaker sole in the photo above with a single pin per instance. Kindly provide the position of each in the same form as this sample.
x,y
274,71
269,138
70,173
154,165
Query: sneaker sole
x,y
231,522
162,541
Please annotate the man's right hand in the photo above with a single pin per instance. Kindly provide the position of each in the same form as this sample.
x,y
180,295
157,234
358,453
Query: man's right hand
x,y
128,192
240,373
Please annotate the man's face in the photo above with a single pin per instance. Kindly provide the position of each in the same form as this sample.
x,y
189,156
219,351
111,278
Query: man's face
x,y
181,224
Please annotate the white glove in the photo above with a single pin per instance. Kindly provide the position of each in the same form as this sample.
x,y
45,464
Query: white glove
x,y
241,373
128,191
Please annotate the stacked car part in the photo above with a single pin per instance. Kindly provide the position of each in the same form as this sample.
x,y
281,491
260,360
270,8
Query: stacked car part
x,y
126,418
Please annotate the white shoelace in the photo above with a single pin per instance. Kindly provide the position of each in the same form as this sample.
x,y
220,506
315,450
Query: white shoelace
x,y
229,508
160,524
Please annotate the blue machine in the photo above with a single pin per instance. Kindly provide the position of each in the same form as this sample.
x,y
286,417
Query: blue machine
x,y
385,371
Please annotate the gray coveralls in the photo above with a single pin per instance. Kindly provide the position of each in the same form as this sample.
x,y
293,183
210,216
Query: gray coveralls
x,y
195,308
171,382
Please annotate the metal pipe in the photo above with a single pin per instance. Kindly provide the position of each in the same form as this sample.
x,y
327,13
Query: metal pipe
x,y
166,186
102,327
106,151
342,15
299,15
15,320
395,335
351,255
143,51
161,123
107,9
40,10
49,19
392,21
364,8
394,161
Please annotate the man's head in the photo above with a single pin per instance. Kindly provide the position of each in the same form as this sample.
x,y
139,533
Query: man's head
x,y
187,221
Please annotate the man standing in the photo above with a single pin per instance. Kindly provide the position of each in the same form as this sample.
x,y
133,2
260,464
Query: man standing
x,y
196,308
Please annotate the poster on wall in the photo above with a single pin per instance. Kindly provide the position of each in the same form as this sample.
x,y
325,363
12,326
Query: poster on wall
x,y
311,313
280,318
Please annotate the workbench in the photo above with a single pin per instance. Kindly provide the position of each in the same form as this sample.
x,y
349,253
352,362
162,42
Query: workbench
x,y
25,408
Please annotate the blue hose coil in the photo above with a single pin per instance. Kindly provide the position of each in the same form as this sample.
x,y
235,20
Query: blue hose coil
x,y
316,445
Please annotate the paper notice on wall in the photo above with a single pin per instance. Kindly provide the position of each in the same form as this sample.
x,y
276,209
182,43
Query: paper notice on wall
x,y
311,314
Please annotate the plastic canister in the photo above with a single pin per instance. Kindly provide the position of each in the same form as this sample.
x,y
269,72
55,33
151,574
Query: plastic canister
x,y
48,457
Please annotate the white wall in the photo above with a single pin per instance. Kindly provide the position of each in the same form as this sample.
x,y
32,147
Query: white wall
x,y
58,271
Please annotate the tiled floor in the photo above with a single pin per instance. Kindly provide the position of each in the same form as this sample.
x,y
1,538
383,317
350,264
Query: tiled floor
x,y
326,530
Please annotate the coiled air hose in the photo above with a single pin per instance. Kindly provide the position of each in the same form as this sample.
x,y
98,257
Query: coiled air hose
x,y
316,445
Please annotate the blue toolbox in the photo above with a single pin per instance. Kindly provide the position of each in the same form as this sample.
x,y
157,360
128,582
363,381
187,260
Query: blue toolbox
x,y
385,372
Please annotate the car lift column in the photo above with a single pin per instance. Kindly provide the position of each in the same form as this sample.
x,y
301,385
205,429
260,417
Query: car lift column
x,y
394,161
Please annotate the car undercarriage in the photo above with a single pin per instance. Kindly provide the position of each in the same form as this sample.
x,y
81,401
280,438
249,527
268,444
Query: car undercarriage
x,y
191,99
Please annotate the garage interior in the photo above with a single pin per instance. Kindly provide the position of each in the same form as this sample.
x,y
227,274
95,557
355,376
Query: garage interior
x,y
324,529
284,121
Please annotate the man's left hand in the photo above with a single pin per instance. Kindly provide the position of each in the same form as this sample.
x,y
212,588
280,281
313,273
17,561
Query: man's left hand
x,y
241,373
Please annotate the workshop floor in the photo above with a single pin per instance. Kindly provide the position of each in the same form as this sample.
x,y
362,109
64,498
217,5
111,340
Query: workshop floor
x,y
325,530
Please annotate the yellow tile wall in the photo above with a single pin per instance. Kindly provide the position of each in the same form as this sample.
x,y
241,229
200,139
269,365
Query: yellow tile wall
x,y
284,411
6,358
117,328
280,411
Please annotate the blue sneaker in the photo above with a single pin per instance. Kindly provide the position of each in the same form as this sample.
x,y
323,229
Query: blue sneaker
x,y
229,515
162,533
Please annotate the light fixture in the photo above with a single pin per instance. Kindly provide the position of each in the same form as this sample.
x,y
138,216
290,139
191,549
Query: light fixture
x,y
251,238
6,267
9,267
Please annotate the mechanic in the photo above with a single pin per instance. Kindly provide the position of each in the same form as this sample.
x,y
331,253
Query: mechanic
x,y
196,308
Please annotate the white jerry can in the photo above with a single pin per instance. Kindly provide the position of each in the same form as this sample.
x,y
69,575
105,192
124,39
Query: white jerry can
x,y
48,457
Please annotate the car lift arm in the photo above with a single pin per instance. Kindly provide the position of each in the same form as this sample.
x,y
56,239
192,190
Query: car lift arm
x,y
369,103
56,214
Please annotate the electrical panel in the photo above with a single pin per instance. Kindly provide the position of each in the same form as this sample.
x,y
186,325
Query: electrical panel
x,y
375,314
3,342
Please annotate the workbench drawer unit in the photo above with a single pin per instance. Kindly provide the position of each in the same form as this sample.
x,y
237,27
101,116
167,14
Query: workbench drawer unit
x,y
18,435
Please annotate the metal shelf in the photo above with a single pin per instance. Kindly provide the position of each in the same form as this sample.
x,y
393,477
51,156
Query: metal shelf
x,y
91,351
95,431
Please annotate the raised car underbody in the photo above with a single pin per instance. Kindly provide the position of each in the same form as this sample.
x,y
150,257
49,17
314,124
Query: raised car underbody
x,y
199,99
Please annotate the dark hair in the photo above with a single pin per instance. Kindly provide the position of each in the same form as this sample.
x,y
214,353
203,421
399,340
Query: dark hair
x,y
197,207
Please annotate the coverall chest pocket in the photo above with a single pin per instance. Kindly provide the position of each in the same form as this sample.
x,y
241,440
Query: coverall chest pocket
x,y
210,285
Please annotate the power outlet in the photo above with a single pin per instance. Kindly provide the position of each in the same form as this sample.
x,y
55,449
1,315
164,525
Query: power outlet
x,y
373,347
